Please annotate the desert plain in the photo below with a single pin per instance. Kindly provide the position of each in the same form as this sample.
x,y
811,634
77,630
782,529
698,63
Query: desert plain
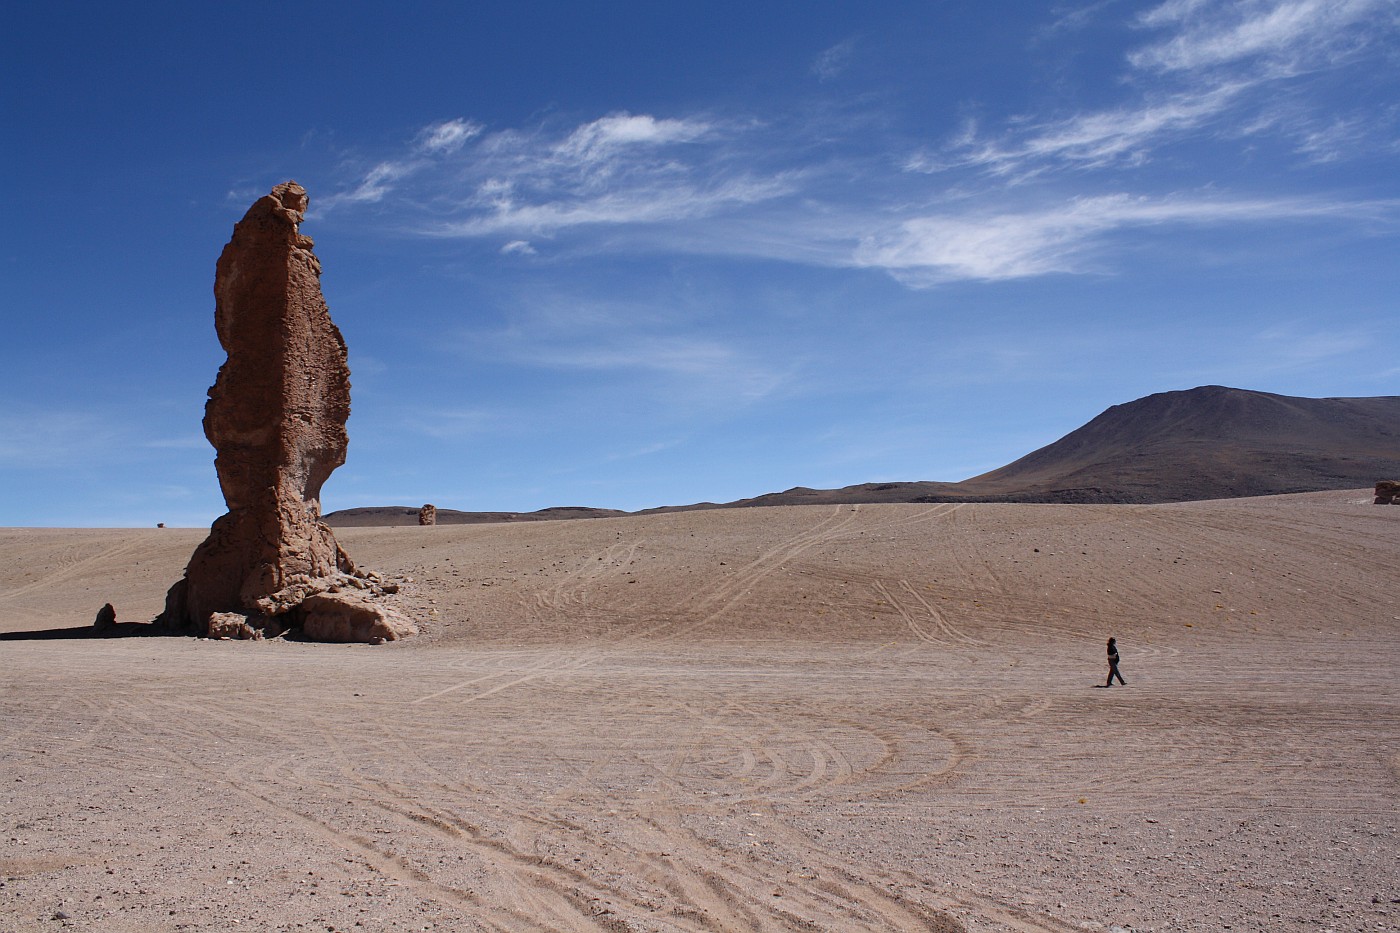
x,y
837,717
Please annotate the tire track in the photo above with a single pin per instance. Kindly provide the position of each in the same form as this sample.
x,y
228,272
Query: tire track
x,y
569,664
391,866
69,570
730,591
572,590
722,598
531,870
544,896
940,634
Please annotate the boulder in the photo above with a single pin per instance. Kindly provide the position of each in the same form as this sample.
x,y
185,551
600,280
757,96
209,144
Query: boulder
x,y
1387,491
352,616
427,515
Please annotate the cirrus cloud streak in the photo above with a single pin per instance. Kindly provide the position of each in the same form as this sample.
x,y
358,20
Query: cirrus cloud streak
x,y
1035,198
1061,239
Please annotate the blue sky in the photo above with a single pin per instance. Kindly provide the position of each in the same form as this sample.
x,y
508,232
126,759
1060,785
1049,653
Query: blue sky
x,y
660,253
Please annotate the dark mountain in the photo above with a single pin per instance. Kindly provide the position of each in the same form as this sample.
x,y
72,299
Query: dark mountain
x,y
1210,442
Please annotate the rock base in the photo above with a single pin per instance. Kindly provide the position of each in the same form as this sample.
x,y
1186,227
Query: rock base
x,y
343,607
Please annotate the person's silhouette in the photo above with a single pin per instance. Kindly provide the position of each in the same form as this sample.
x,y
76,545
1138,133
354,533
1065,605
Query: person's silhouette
x,y
1113,664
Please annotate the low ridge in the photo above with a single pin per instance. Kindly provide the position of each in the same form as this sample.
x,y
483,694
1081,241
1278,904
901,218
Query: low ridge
x,y
387,515
1210,442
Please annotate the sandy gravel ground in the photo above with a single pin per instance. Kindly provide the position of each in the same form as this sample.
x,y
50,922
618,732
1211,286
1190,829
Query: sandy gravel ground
x,y
805,718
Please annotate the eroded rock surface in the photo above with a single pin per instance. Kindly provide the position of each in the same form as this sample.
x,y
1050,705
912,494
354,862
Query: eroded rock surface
x,y
352,617
276,416
239,626
427,515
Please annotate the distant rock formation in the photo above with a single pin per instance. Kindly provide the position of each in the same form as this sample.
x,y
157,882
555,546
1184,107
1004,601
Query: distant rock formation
x,y
427,515
1387,491
276,417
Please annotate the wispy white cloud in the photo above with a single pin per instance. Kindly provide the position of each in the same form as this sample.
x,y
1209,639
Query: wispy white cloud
x,y
831,62
1287,348
1332,140
647,348
673,354
1283,36
1074,16
367,364
453,423
1086,140
447,136
710,367
510,211
1173,11
603,138
619,169
1207,74
1202,72
376,183
33,438
1301,345
1009,245
1099,138
686,185
431,143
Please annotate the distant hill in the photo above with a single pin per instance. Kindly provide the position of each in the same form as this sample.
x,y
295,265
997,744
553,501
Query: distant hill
x,y
1210,442
385,515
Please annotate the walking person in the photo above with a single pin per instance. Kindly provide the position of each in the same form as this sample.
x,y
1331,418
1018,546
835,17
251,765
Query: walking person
x,y
1113,664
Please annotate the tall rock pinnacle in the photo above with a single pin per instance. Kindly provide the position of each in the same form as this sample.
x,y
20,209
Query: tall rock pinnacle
x,y
277,412
276,417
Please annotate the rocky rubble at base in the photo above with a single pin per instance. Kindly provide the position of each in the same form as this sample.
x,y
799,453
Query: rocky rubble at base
x,y
338,608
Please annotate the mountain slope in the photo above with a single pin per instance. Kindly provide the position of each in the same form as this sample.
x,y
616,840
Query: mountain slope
x,y
1210,442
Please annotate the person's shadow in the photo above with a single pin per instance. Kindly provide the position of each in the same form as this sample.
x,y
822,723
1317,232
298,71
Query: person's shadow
x,y
105,626
116,630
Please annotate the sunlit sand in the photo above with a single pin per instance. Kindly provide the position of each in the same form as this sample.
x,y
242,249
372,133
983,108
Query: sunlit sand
x,y
880,717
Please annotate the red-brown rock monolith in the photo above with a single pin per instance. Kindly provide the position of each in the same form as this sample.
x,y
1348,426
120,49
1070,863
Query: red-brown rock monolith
x,y
276,417
427,515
